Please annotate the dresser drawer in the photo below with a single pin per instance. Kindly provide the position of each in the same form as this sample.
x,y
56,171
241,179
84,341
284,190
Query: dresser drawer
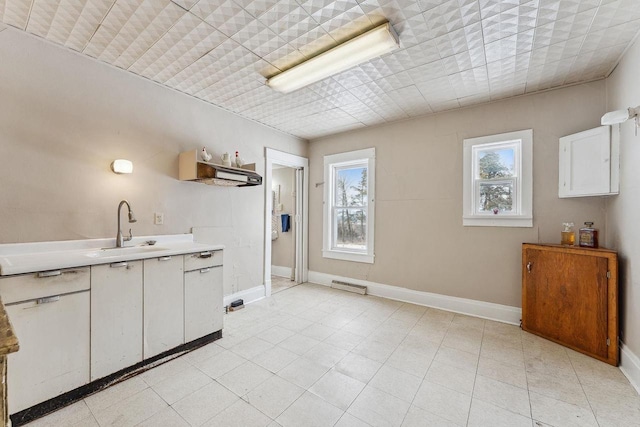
x,y
25,287
204,259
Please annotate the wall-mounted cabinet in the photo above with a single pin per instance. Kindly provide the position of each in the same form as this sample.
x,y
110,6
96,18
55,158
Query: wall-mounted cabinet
x,y
191,168
589,163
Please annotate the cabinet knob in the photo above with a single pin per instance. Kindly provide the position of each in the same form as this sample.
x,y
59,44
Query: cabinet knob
x,y
529,264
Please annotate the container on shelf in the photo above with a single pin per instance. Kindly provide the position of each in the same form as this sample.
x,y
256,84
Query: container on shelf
x,y
588,236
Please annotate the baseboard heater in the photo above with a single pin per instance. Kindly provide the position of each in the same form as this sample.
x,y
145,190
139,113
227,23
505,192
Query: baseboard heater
x,y
349,287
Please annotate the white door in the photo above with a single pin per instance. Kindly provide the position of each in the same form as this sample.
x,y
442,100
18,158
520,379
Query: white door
x,y
163,304
54,349
202,302
116,317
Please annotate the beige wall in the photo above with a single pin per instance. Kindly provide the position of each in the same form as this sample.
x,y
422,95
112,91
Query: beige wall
x,y
420,241
65,117
282,247
623,232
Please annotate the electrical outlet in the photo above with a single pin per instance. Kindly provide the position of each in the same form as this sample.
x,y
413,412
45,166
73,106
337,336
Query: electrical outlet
x,y
158,218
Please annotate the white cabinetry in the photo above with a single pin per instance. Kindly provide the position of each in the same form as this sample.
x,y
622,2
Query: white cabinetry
x,y
50,315
203,298
116,317
589,163
163,304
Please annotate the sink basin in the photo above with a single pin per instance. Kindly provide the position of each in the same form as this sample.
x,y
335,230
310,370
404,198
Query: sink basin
x,y
126,251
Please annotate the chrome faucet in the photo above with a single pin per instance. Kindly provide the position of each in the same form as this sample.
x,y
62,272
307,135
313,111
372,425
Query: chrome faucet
x,y
119,238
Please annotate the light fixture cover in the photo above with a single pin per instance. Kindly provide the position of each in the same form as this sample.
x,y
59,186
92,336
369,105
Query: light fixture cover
x,y
373,43
122,166
619,116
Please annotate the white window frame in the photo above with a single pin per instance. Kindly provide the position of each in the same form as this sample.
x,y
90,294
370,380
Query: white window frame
x,y
522,216
331,163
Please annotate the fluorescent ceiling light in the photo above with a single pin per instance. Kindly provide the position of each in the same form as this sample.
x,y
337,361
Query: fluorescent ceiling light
x,y
620,116
362,48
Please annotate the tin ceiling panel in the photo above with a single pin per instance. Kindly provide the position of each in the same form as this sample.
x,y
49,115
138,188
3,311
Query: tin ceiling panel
x,y
453,53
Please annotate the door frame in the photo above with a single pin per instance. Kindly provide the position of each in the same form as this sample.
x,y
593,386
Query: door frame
x,y
301,221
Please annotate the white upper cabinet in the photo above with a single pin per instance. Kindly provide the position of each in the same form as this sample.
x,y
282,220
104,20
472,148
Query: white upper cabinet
x,y
589,163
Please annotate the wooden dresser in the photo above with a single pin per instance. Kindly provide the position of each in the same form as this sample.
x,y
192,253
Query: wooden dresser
x,y
570,296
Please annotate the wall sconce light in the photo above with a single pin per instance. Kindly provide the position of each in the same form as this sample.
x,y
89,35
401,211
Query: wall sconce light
x,y
620,116
122,166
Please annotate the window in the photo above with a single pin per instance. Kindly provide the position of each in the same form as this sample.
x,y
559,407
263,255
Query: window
x,y
498,180
349,180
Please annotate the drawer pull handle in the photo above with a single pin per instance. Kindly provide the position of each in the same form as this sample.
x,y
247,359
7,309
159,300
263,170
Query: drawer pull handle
x,y
529,264
118,264
48,300
49,273
205,270
164,258
205,255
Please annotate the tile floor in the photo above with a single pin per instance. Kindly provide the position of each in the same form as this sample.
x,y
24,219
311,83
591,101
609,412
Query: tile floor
x,y
279,284
314,356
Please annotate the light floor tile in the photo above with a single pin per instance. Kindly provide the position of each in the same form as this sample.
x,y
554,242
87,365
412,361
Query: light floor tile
x,y
344,340
375,350
338,389
451,377
325,354
417,417
273,396
168,417
555,412
114,394
397,383
485,414
558,388
74,414
318,332
378,408
409,361
276,334
303,372
251,347
457,358
503,372
275,359
244,378
180,385
358,367
205,403
446,403
220,364
298,344
164,371
506,396
348,420
240,414
203,353
310,411
132,410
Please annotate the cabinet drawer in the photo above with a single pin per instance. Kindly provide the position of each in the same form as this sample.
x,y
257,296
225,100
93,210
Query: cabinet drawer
x,y
203,259
31,286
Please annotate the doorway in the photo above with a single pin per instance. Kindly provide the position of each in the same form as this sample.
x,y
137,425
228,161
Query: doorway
x,y
286,213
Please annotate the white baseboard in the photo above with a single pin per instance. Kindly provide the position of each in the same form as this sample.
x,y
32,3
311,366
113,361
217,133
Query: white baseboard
x,y
248,295
630,366
280,271
485,310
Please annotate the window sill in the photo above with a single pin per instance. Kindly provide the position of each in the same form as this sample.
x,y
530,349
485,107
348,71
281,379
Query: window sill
x,y
497,222
348,256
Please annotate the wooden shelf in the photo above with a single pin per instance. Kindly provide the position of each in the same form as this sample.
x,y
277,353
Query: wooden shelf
x,y
193,169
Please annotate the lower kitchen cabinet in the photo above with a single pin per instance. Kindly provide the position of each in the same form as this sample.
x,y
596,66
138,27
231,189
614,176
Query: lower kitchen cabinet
x,y
570,296
53,331
163,304
203,311
116,317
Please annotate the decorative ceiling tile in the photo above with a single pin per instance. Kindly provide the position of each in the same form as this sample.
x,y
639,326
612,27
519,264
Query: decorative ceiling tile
x,y
16,13
512,21
453,53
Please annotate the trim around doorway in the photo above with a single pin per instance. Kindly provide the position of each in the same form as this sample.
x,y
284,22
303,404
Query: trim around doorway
x,y
302,208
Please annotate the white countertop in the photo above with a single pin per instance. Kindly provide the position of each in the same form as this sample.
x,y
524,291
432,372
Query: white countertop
x,y
19,258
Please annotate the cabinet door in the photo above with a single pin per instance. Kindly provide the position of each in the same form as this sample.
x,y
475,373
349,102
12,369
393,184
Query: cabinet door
x,y
566,299
54,349
202,302
585,163
163,304
116,317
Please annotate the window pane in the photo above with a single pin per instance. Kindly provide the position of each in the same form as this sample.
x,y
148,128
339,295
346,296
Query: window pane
x,y
351,229
496,197
496,163
351,186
